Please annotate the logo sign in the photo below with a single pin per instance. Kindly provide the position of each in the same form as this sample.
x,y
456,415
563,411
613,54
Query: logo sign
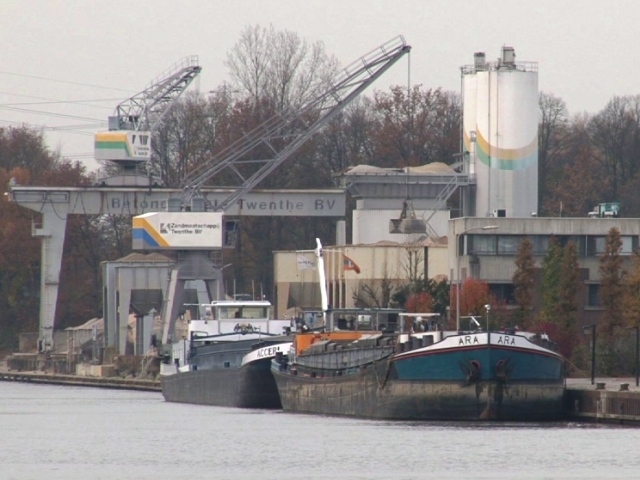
x,y
178,230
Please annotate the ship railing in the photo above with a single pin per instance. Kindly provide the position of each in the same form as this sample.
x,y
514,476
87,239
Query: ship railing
x,y
198,337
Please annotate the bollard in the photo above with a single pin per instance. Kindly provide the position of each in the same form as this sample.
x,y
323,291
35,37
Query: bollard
x,y
624,387
600,386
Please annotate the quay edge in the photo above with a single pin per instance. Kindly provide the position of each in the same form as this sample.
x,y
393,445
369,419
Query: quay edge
x,y
608,400
81,381
583,402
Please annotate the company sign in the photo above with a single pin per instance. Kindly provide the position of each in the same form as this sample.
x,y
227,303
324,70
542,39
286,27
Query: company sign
x,y
178,230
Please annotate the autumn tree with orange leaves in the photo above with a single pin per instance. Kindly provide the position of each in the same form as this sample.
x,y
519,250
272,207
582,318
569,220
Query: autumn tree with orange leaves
x,y
420,302
475,295
25,160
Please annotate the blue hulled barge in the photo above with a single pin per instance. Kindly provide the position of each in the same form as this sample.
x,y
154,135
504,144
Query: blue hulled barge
x,y
430,376
387,364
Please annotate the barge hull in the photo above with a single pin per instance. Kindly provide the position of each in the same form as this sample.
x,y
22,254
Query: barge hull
x,y
366,394
249,386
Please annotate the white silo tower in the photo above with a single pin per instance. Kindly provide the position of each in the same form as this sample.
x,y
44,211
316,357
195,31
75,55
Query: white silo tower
x,y
500,134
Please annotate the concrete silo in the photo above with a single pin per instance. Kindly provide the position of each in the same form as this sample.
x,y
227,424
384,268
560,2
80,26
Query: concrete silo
x,y
500,134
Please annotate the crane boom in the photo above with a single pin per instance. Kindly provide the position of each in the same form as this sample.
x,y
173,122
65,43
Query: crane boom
x,y
201,230
127,145
294,124
144,110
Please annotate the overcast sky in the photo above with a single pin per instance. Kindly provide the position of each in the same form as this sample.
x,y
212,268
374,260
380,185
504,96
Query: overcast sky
x,y
70,62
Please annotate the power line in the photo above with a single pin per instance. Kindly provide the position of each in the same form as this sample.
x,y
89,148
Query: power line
x,y
44,112
83,126
71,129
79,155
65,81
49,101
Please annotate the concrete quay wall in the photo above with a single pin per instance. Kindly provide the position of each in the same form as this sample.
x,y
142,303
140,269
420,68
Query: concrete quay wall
x,y
81,381
607,400
61,370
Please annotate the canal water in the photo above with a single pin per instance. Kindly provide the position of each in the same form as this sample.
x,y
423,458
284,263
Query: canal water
x,y
53,432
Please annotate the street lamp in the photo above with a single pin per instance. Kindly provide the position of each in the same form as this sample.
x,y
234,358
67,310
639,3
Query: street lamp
x,y
593,349
488,309
458,283
637,329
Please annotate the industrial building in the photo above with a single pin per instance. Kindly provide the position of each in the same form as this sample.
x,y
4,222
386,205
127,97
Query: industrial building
x,y
401,215
497,184
356,275
489,254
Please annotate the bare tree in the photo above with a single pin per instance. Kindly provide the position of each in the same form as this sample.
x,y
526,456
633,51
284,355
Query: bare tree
x,y
347,140
370,295
552,138
615,131
416,126
188,135
280,66
577,180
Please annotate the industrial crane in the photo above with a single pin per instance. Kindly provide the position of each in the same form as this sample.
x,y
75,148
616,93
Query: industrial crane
x,y
305,120
194,226
126,147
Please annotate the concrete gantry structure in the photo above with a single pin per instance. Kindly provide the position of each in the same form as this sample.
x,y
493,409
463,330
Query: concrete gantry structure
x,y
135,282
55,204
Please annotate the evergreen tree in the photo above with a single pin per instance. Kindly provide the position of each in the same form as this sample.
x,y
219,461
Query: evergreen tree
x,y
524,282
631,297
551,273
439,292
611,283
567,309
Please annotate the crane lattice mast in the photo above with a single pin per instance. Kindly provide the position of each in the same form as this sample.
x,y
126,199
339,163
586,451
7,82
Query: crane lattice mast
x,y
125,150
282,134
144,110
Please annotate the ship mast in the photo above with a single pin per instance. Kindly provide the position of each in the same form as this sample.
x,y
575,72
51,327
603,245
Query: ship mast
x,y
323,282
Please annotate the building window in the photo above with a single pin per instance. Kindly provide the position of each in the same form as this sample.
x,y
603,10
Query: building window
x,y
594,296
596,245
579,240
540,244
504,292
509,244
482,244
